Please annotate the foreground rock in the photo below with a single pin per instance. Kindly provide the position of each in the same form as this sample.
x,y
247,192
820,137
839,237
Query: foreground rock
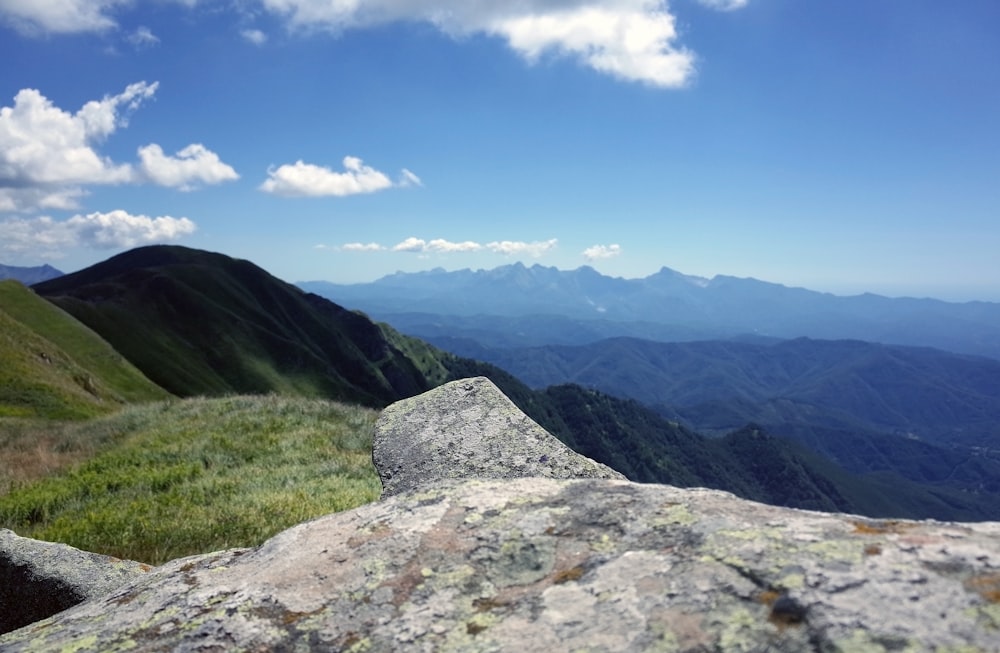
x,y
469,429
39,579
546,565
521,563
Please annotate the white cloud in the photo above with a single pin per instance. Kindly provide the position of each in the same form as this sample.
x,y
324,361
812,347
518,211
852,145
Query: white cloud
x,y
725,5
41,144
307,180
362,247
445,246
13,200
254,36
630,39
602,251
514,248
47,154
60,16
142,37
416,245
192,165
116,229
436,246
411,244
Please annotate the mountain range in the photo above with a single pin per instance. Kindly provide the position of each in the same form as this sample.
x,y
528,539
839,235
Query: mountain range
x,y
200,323
516,305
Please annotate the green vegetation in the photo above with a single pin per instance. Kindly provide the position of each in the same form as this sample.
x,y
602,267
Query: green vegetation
x,y
169,479
55,367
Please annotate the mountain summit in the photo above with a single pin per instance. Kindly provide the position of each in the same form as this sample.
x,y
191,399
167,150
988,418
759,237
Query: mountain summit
x,y
203,323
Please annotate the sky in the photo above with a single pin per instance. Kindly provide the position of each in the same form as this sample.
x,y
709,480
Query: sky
x,y
844,146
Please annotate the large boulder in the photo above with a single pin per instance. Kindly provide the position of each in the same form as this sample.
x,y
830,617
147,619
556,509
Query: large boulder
x,y
525,563
39,579
554,565
468,429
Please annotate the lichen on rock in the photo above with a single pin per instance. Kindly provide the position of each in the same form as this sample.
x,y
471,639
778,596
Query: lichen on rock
x,y
534,563
469,429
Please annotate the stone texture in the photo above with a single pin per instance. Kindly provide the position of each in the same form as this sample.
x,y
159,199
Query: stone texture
x,y
538,564
39,579
468,429
541,564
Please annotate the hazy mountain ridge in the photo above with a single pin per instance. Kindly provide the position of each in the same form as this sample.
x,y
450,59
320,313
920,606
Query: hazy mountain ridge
x,y
929,416
683,307
29,275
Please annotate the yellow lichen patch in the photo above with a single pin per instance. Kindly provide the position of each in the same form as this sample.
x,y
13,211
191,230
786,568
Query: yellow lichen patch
x,y
673,514
986,585
478,623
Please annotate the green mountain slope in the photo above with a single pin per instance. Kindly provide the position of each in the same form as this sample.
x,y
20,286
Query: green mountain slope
x,y
56,367
200,323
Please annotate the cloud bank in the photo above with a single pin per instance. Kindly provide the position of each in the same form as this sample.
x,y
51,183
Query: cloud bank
x,y
48,155
635,40
115,229
416,245
302,179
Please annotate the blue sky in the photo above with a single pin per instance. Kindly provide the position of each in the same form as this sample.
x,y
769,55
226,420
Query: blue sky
x,y
843,146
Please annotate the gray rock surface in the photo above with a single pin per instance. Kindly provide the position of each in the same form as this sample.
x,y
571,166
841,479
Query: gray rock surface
x,y
541,564
468,429
39,579
552,565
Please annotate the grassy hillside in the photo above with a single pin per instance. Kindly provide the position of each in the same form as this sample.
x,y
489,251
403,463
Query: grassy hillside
x,y
168,479
55,367
200,323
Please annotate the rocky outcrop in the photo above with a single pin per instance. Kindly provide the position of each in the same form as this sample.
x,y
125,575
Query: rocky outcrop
x,y
542,564
468,429
39,579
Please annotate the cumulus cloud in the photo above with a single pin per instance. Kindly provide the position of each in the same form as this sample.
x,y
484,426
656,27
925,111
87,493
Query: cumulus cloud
x,y
116,229
601,251
48,155
513,247
193,165
254,36
41,144
34,17
631,39
302,179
